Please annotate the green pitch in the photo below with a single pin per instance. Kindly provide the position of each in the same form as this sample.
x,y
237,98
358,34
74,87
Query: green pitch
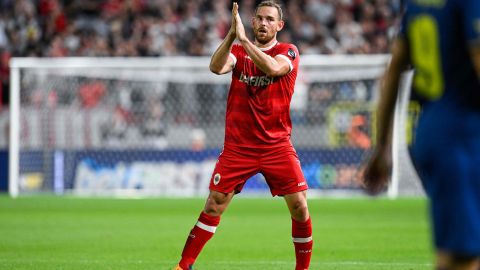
x,y
71,233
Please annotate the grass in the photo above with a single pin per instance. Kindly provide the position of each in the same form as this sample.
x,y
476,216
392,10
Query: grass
x,y
69,233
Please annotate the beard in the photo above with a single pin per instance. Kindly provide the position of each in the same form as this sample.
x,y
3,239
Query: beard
x,y
263,37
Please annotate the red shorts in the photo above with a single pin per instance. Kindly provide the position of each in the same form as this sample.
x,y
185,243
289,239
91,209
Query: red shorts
x,y
279,165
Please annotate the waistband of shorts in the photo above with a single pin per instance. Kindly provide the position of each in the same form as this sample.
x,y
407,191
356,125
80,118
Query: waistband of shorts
x,y
264,146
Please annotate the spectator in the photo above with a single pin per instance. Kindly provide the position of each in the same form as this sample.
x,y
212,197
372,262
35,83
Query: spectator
x,y
357,134
153,128
144,28
59,28
348,32
91,93
4,76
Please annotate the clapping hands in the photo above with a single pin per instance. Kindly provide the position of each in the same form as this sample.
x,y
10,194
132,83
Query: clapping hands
x,y
237,27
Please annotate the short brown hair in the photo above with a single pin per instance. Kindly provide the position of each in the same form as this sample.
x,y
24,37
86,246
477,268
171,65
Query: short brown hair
x,y
271,3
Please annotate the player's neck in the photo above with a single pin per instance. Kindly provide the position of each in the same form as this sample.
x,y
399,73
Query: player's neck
x,y
267,45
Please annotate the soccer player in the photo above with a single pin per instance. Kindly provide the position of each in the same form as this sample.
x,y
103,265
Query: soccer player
x,y
257,131
440,39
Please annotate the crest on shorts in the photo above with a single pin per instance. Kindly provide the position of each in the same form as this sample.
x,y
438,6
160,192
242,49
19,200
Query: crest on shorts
x,y
292,53
216,179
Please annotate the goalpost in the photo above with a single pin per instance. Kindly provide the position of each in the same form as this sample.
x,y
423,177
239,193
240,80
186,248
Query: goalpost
x,y
154,126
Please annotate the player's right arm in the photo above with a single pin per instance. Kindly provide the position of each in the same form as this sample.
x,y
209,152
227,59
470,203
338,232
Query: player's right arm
x,y
471,16
221,61
475,52
377,171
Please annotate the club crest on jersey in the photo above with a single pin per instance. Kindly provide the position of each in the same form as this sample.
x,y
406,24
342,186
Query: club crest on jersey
x,y
292,53
259,81
216,179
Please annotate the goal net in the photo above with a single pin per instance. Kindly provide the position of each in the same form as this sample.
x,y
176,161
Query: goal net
x,y
155,126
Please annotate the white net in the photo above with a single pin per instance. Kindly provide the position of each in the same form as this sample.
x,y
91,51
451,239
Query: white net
x,y
147,126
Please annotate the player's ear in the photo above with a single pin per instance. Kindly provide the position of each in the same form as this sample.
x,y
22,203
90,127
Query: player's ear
x,y
280,25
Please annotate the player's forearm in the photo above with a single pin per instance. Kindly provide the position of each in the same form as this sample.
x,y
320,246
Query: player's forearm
x,y
263,61
385,109
389,92
475,52
219,60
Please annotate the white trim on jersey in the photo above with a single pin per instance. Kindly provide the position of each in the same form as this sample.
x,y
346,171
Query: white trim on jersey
x,y
302,240
269,47
288,60
206,227
234,59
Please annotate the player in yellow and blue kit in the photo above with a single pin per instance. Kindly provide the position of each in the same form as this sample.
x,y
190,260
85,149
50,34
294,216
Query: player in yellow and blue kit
x,y
440,39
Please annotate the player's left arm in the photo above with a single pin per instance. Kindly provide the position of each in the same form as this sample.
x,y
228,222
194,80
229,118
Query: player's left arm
x,y
271,66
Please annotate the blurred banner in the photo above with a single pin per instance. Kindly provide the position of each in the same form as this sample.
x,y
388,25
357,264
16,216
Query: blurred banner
x,y
172,172
3,170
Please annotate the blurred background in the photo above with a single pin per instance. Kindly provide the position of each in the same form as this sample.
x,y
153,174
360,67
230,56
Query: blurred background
x,y
114,99
143,114
56,28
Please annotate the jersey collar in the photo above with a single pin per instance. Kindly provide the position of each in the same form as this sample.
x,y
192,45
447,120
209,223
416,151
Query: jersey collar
x,y
269,47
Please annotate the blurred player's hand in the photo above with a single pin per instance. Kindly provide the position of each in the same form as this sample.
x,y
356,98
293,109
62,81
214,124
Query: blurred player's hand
x,y
377,172
239,28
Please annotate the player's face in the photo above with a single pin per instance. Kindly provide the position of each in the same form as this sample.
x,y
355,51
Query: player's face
x,y
266,24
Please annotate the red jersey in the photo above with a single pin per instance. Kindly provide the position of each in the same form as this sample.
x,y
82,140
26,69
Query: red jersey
x,y
258,106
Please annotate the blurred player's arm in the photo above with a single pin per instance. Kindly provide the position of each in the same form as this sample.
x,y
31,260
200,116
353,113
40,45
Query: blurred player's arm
x,y
221,61
377,172
271,66
389,91
475,52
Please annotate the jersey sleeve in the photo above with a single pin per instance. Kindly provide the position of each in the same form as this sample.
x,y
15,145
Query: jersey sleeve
x,y
290,53
470,10
234,54
403,25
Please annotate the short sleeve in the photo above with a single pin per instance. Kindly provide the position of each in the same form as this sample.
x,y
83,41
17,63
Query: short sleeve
x,y
403,26
234,53
470,10
290,53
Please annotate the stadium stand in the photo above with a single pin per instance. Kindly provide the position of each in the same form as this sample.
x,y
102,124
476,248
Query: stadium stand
x,y
60,28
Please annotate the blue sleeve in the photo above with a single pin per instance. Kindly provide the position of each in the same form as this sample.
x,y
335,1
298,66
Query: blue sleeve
x,y
403,26
470,10
403,23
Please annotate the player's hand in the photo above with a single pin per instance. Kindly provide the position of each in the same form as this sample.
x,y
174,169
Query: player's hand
x,y
377,172
239,28
233,26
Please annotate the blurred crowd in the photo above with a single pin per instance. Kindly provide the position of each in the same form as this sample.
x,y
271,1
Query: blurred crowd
x,y
58,28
